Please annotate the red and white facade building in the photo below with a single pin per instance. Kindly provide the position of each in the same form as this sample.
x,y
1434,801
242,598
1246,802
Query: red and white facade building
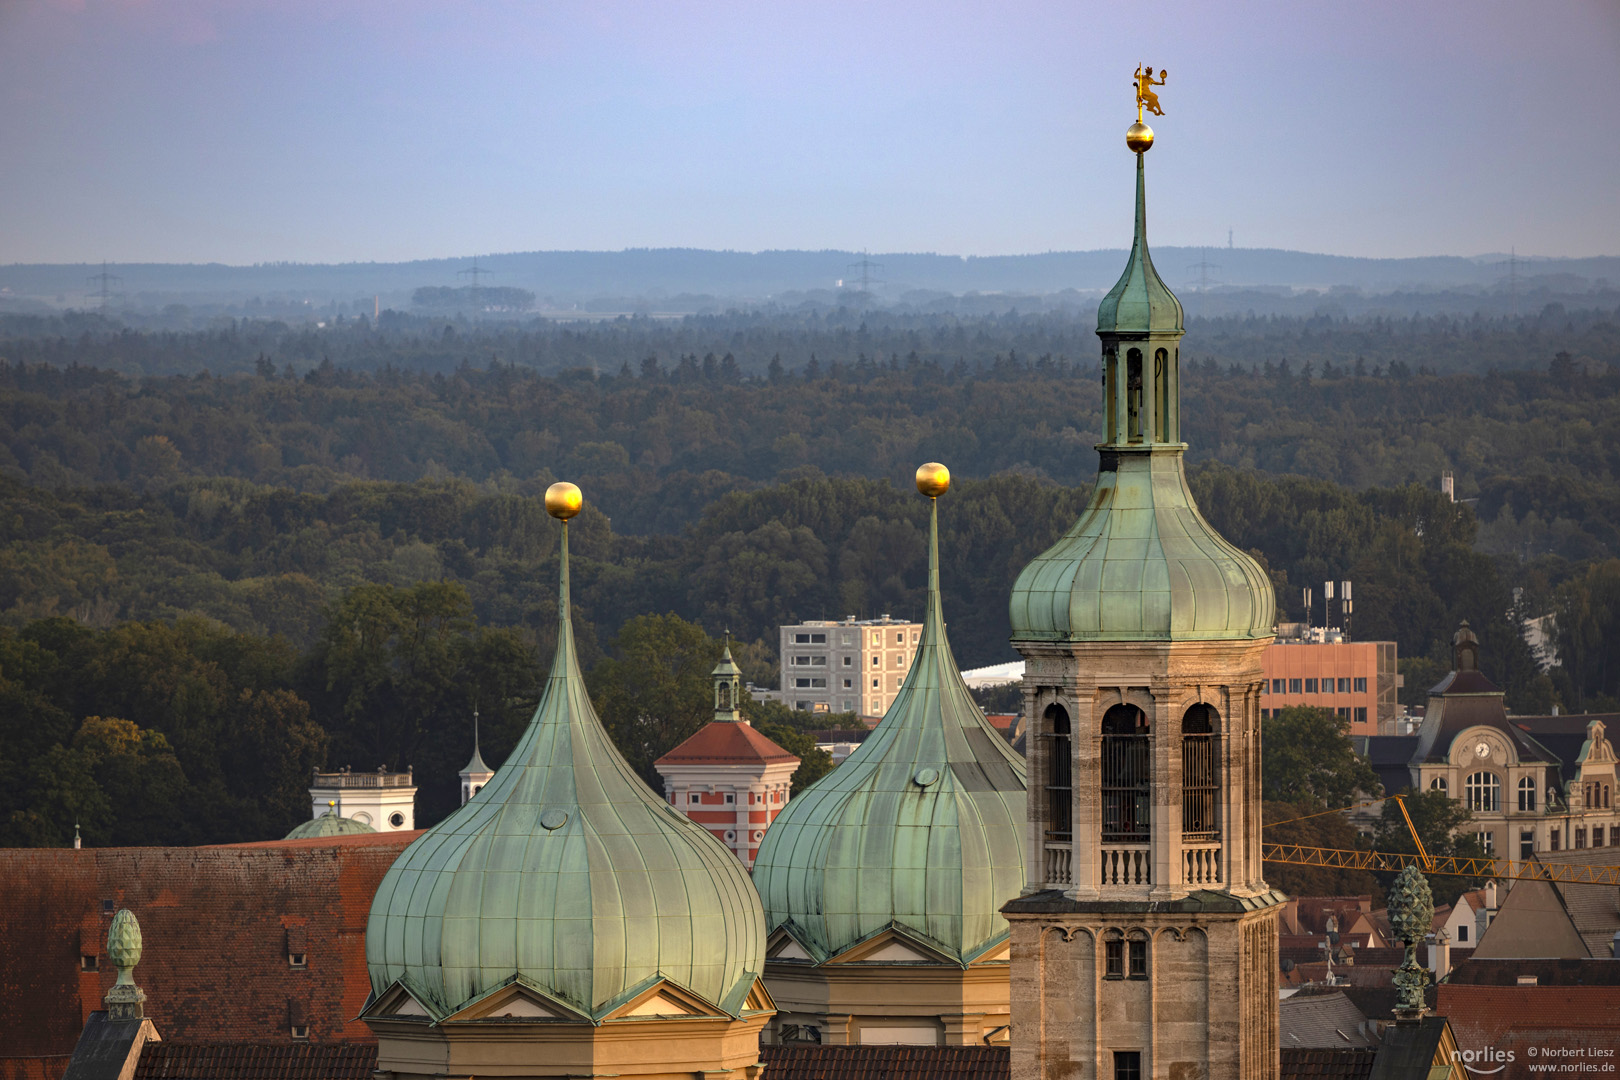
x,y
728,777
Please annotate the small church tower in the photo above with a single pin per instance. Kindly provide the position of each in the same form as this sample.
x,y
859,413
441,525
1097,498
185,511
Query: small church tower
x,y
1145,943
475,774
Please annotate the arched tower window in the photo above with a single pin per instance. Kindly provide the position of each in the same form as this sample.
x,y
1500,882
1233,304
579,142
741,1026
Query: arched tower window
x,y
1125,772
1200,775
1110,389
1438,784
1527,794
1059,785
1133,395
1161,395
1482,791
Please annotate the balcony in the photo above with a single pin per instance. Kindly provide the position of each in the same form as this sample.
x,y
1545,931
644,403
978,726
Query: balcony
x,y
1201,864
382,778
1059,864
1126,865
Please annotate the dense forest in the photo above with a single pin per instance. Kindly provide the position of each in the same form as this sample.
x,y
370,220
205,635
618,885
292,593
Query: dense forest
x,y
212,583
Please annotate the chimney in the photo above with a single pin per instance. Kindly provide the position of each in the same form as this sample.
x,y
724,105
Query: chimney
x,y
1440,954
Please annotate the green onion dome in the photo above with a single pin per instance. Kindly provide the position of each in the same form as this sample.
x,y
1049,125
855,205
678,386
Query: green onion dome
x,y
330,823
567,873
920,830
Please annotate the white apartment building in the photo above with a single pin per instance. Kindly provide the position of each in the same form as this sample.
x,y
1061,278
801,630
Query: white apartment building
x,y
854,666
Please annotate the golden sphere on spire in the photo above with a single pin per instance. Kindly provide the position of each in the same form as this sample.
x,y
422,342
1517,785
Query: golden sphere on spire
x,y
1139,137
563,500
933,479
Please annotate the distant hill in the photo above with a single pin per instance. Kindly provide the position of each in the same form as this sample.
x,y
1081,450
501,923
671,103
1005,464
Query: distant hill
x,y
685,279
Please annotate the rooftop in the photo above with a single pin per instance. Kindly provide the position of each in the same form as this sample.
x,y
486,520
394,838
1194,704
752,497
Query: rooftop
x,y
724,743
886,1062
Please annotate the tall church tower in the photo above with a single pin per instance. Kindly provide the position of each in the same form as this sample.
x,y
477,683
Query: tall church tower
x,y
1145,941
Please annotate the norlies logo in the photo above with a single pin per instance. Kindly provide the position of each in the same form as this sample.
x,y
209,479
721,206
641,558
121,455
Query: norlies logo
x,y
1486,1062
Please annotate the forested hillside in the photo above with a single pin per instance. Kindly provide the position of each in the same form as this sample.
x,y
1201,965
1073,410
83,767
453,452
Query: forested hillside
x,y
210,585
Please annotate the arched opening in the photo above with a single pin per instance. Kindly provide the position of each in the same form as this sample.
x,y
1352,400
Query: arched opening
x,y
1438,784
1110,389
1161,395
724,701
1125,775
1527,794
1200,774
1133,395
1059,782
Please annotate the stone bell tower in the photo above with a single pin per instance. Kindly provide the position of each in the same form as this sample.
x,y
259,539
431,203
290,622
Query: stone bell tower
x,y
1145,941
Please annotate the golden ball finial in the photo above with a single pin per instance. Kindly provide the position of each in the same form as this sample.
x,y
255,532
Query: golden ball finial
x,y
933,479
563,500
1139,137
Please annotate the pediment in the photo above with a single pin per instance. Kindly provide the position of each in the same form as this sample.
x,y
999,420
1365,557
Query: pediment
x,y
759,999
517,1001
398,1001
663,999
996,954
783,947
890,947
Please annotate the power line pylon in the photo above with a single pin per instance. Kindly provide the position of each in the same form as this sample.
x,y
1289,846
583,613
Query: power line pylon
x,y
105,281
866,266
474,271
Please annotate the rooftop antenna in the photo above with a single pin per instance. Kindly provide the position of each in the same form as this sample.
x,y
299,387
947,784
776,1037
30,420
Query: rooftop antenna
x,y
105,280
866,266
474,272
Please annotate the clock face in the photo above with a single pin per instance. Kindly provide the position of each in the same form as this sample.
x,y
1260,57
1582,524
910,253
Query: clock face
x,y
1483,749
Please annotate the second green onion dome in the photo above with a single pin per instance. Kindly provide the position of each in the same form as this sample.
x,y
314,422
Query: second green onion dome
x,y
920,830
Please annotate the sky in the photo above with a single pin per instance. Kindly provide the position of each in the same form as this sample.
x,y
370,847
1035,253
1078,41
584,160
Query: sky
x,y
244,131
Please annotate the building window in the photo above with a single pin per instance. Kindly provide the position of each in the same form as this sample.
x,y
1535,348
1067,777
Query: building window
x,y
1277,686
1527,794
1361,686
696,798
1361,714
730,799
1487,842
1059,789
89,962
802,706
300,1031
1127,1065
397,820
1342,714
1294,686
297,960
106,907
1437,784
900,637
849,705
1199,775
1527,844
1580,837
1597,836
1462,933
1482,792
897,681
1310,686
1344,686
874,684
1137,950
1552,838
849,661
1125,775
1114,957
876,660
801,684
818,684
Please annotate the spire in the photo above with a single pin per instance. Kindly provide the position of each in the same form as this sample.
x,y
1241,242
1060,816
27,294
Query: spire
x,y
727,688
1140,302
565,873
475,766
933,801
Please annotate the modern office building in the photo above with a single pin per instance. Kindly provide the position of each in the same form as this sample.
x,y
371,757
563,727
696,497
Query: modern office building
x,y
1356,679
854,666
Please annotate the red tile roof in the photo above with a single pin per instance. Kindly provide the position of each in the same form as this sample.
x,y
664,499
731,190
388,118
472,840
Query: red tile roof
x,y
723,743
218,924
1516,1018
886,1062
256,1061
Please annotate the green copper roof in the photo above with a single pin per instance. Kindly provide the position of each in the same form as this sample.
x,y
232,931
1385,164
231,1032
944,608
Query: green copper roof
x,y
1142,564
920,829
1139,302
566,872
330,823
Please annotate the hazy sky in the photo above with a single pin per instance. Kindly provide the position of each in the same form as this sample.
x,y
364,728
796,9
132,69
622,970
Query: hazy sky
x,y
247,131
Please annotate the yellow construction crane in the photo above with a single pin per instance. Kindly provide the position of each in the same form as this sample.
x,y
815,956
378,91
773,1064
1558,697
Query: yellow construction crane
x,y
1336,859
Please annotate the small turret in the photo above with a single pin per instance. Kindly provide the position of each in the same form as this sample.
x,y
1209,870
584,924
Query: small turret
x,y
475,774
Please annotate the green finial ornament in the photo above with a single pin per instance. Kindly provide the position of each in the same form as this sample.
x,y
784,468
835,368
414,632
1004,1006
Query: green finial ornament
x,y
1411,913
125,999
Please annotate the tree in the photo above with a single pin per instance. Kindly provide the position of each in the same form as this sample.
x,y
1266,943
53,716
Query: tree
x,y
1306,758
1306,824
654,690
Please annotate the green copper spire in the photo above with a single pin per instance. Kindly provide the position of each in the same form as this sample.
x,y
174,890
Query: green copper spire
x,y
1141,564
566,873
920,830
727,678
1140,302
